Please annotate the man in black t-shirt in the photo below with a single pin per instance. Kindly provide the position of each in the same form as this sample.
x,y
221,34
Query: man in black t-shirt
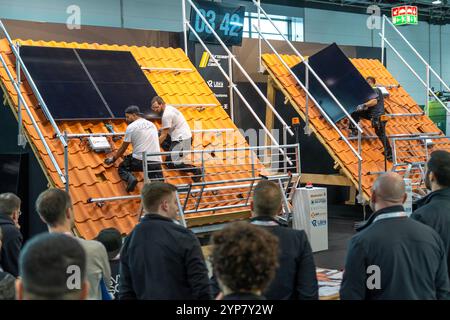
x,y
373,110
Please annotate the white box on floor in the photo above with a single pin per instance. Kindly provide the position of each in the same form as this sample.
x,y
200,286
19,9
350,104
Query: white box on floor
x,y
310,214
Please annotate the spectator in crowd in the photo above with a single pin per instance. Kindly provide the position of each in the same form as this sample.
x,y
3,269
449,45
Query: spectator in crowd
x,y
143,136
244,259
112,240
434,209
6,280
12,238
52,267
55,209
175,128
296,276
161,259
393,256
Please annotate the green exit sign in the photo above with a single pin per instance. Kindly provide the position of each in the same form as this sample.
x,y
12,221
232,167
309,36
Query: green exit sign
x,y
404,15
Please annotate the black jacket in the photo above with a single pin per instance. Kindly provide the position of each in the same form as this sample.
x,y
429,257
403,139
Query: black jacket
x,y
296,275
410,257
162,260
12,243
434,211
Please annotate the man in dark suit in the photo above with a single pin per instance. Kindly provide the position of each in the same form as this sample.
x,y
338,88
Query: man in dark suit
x,y
393,256
296,276
434,209
12,238
161,259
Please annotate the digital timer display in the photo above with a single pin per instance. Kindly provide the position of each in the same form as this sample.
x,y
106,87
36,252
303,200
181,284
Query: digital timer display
x,y
226,20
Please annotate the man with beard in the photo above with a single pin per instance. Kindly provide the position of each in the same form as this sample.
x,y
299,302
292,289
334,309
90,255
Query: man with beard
x,y
175,127
434,209
393,256
143,136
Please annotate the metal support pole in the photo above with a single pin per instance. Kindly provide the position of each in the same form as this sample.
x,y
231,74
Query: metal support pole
x,y
20,137
259,38
230,91
180,208
203,164
360,195
285,202
307,129
252,156
297,164
145,166
285,143
187,197
427,103
183,8
394,155
66,163
383,27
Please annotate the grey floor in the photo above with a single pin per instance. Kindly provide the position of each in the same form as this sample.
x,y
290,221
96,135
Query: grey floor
x,y
341,222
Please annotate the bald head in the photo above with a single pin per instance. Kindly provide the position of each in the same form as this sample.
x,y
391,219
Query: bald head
x,y
389,188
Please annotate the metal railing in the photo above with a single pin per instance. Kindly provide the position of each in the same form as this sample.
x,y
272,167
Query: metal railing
x,y
211,189
187,26
426,82
305,87
214,190
410,154
20,67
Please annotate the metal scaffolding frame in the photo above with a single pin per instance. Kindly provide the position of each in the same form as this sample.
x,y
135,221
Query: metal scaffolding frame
x,y
305,87
429,70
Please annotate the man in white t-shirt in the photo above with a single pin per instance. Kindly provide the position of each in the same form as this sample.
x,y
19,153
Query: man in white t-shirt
x,y
143,136
174,124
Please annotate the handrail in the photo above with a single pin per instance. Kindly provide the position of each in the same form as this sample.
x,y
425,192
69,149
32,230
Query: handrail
x,y
269,134
309,94
305,61
417,53
427,86
230,54
33,86
427,65
33,121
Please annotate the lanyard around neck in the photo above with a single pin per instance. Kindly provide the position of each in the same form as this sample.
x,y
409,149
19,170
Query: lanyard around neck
x,y
391,215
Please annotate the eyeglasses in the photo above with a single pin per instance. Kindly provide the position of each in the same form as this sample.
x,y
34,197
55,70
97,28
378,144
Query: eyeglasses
x,y
19,213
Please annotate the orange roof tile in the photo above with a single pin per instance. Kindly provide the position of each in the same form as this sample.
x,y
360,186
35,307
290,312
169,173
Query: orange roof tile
x,y
372,150
89,177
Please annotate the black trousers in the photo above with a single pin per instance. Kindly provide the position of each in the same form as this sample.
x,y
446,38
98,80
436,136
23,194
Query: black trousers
x,y
130,164
377,124
177,161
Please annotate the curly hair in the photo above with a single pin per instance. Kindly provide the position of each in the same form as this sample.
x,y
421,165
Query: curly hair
x,y
244,257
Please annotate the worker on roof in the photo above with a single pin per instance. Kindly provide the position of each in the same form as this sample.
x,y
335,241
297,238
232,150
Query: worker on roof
x,y
373,110
143,136
175,127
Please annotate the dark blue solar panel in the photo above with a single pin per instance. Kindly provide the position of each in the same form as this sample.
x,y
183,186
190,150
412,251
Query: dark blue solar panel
x,y
340,76
87,84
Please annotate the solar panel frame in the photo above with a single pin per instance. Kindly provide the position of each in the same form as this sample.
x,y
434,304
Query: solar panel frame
x,y
340,76
86,84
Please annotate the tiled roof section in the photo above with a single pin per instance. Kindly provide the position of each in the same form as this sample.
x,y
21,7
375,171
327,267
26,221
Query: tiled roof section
x,y
399,101
88,176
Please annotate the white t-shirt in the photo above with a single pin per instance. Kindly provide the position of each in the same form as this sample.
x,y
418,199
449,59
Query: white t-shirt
x,y
173,120
143,135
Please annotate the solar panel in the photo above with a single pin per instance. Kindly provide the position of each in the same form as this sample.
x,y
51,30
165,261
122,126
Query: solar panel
x,y
340,76
119,78
88,84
